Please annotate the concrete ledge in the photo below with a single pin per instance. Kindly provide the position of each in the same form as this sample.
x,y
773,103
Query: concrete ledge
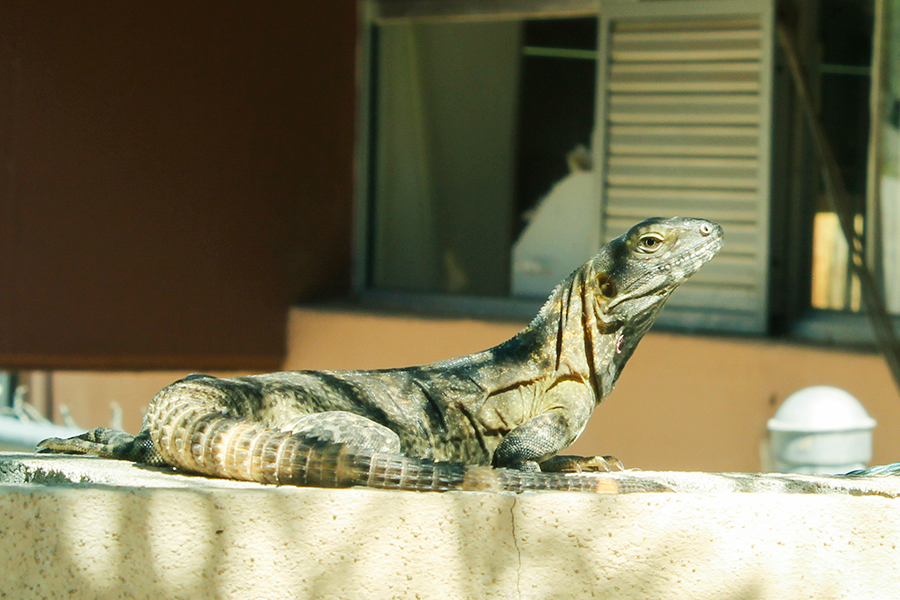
x,y
163,535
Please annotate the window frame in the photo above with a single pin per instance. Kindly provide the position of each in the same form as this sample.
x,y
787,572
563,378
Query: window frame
x,y
373,13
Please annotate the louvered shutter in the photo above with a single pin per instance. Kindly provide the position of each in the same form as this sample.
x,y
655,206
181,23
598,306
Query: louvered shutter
x,y
683,130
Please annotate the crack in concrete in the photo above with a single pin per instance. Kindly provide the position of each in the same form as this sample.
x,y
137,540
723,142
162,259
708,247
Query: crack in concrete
x,y
515,539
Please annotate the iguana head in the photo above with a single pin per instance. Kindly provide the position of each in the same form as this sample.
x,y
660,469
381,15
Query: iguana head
x,y
637,271
606,306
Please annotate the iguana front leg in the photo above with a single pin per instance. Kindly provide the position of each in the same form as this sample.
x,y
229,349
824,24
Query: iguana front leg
x,y
533,445
534,441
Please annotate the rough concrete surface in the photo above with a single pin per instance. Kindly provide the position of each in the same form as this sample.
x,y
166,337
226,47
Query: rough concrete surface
x,y
130,532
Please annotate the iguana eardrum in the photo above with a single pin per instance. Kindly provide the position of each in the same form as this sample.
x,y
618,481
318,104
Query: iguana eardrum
x,y
494,420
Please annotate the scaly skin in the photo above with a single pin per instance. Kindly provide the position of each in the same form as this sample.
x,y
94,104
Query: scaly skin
x,y
435,427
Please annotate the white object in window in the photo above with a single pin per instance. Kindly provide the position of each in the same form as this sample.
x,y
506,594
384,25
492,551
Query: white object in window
x,y
563,233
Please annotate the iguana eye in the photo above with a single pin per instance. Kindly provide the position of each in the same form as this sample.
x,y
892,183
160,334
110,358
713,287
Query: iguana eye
x,y
650,242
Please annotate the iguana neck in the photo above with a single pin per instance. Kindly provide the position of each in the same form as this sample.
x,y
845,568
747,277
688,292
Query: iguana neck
x,y
566,340
571,328
573,337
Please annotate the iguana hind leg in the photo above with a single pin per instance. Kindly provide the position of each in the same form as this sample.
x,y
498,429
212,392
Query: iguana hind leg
x,y
105,442
341,427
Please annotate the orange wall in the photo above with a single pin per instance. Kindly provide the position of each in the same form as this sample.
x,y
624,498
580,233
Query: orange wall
x,y
684,402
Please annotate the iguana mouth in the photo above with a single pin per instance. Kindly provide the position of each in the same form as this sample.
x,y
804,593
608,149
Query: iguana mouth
x,y
701,252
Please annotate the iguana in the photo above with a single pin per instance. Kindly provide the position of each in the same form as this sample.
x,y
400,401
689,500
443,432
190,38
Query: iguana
x,y
494,420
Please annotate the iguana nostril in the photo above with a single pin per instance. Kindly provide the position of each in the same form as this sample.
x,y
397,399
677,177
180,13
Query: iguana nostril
x,y
705,229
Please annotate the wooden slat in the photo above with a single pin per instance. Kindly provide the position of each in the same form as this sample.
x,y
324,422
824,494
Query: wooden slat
x,y
719,35
691,99
685,55
747,183
731,214
685,130
623,193
740,257
734,220
733,249
655,161
696,295
698,67
745,279
662,74
703,282
722,217
684,150
680,87
623,26
676,119
740,224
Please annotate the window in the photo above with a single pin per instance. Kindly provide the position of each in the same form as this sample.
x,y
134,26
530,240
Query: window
x,y
471,124
502,149
844,81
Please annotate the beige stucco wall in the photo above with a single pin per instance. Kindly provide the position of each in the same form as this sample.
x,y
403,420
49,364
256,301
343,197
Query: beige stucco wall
x,y
147,534
684,402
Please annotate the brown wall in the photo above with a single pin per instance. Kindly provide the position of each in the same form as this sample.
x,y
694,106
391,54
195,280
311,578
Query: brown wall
x,y
175,174
683,402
